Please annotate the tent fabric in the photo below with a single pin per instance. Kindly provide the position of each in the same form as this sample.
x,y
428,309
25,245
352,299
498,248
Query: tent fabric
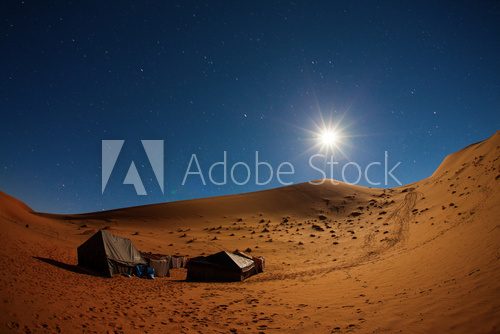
x,y
163,263
259,261
179,262
161,267
176,262
159,262
240,253
222,266
240,261
108,254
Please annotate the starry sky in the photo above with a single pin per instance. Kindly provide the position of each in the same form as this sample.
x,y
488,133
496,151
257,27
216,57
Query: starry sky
x,y
416,79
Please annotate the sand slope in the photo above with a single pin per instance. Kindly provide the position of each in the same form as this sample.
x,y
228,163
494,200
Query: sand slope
x,y
423,258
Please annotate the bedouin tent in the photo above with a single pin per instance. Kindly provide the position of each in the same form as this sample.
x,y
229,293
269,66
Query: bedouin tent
x,y
222,266
108,254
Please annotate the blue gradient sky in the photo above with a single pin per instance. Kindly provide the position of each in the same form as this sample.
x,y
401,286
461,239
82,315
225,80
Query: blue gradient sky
x,y
417,79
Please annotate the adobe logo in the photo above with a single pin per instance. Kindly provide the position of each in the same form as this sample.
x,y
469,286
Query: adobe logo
x,y
111,150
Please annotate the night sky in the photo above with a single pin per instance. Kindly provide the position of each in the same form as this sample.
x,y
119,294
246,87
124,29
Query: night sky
x,y
417,79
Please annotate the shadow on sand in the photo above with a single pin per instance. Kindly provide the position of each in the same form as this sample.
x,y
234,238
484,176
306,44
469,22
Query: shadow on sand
x,y
66,266
80,270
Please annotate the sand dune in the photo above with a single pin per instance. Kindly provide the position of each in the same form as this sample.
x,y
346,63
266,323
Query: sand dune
x,y
423,258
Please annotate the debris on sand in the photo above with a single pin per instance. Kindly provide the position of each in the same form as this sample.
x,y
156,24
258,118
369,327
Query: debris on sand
x,y
317,228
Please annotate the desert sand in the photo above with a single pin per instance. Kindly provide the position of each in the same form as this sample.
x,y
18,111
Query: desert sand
x,y
422,258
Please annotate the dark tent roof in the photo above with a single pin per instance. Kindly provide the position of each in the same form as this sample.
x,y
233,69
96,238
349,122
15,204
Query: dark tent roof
x,y
226,258
109,254
222,266
240,253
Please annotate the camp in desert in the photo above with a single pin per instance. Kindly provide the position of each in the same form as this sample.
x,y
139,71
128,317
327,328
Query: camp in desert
x,y
260,167
339,258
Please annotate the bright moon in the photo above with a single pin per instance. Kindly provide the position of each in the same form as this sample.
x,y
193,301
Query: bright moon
x,y
328,137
